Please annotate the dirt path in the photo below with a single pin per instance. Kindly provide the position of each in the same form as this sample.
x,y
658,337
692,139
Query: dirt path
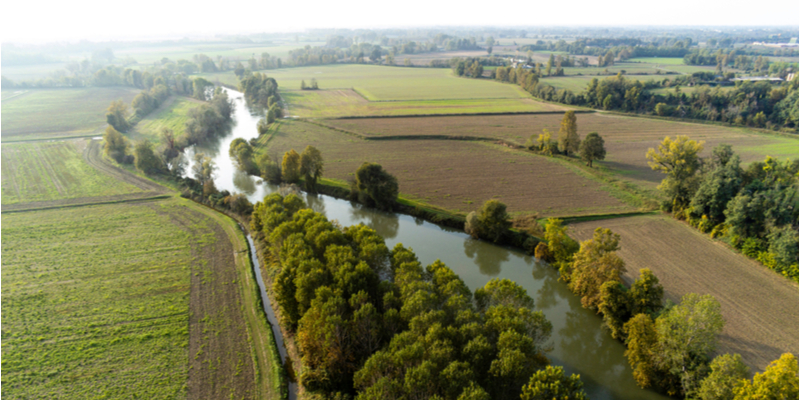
x,y
92,153
760,307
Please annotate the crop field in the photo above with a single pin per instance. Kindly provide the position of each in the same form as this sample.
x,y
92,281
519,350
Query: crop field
x,y
54,113
612,70
458,175
344,102
626,138
658,60
389,83
760,307
173,115
53,170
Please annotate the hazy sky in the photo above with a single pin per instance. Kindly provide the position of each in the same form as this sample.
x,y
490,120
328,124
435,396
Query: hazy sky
x,y
40,21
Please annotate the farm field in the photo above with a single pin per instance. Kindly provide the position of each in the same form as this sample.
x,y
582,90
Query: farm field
x,y
43,171
103,300
344,102
172,115
388,83
626,138
58,113
657,60
18,73
458,175
760,307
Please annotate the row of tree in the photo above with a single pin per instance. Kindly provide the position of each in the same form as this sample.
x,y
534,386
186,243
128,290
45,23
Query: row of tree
x,y
374,323
754,208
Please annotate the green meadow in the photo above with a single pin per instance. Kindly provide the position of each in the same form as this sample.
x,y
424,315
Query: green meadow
x,y
95,302
58,113
51,171
172,116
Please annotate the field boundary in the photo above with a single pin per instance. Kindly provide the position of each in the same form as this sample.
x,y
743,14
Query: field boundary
x,y
461,114
782,133
23,207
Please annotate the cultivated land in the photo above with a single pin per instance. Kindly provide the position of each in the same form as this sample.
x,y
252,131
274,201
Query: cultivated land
x,y
112,300
345,102
173,114
45,171
626,138
59,113
459,175
760,307
388,83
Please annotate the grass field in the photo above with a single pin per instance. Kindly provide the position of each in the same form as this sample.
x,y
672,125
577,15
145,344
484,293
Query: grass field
x,y
345,102
389,83
54,113
658,60
760,307
626,138
53,170
459,175
173,115
144,300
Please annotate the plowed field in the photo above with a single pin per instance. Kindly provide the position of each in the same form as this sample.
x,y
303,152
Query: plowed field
x,y
627,138
760,307
457,175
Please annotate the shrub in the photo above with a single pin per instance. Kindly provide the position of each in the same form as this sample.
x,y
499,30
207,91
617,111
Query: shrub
x,y
543,253
753,246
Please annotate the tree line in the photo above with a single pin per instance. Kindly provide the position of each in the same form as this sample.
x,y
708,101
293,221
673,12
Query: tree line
x,y
754,208
373,323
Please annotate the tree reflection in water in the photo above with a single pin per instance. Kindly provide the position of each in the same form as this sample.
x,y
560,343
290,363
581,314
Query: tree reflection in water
x,y
385,224
488,257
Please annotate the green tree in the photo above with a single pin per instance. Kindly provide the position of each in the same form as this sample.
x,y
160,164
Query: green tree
x,y
641,341
551,383
311,167
270,170
241,153
117,115
679,159
646,294
568,139
595,264
115,145
687,335
378,187
615,305
561,246
490,222
719,186
550,62
592,148
203,168
290,167
778,382
145,159
727,371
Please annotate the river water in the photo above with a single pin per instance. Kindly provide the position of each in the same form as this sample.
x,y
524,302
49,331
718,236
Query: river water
x,y
579,343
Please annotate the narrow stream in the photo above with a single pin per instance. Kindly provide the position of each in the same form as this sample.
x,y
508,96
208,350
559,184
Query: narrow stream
x,y
579,343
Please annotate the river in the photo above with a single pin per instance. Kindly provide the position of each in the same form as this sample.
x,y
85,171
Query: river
x,y
579,343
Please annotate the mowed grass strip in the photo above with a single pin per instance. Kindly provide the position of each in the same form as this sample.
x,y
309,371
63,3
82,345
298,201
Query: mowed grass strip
x,y
760,307
95,303
388,83
458,175
42,171
52,113
346,102
172,115
626,138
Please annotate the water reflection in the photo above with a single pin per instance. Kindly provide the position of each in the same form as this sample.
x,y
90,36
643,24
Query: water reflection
x,y
487,257
385,224
244,182
548,294
316,203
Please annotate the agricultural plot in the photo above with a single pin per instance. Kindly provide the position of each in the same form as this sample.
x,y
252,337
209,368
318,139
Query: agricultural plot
x,y
96,302
760,307
44,171
458,175
626,138
58,113
173,114
388,83
340,103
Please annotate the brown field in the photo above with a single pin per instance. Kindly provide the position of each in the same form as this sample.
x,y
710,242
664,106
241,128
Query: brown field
x,y
458,175
627,138
760,307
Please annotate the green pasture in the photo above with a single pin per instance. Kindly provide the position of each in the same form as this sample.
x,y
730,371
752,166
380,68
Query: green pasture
x,y
173,116
95,302
389,83
658,60
611,70
53,113
52,171
341,103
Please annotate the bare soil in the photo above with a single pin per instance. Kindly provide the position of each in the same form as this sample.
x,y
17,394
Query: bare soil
x,y
457,175
626,138
760,307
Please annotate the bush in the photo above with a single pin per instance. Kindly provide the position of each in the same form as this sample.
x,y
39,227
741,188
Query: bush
x,y
753,246
543,253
